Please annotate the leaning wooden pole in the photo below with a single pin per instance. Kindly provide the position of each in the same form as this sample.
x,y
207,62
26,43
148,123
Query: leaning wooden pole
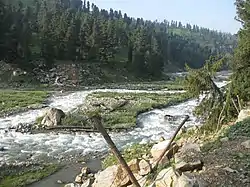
x,y
98,124
170,142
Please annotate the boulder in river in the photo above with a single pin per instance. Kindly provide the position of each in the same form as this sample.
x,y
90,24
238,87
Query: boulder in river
x,y
53,117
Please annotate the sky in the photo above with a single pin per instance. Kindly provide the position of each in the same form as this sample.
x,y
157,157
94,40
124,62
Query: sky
x,y
214,14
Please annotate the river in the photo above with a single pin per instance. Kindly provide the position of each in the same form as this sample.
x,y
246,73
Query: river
x,y
55,146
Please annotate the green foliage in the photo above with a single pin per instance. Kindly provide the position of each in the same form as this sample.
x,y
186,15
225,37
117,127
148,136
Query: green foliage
x,y
71,30
239,129
200,81
132,152
16,100
25,178
241,63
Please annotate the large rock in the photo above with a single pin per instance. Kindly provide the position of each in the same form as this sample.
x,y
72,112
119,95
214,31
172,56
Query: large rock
x,y
158,148
115,176
166,178
245,113
52,117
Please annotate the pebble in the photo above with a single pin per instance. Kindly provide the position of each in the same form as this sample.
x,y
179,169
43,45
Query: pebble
x,y
59,182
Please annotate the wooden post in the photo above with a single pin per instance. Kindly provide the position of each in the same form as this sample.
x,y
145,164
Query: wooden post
x,y
98,124
170,142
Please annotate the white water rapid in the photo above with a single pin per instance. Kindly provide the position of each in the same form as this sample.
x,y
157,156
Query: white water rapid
x,y
19,147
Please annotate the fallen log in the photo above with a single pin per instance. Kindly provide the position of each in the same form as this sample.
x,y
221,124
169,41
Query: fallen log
x,y
75,129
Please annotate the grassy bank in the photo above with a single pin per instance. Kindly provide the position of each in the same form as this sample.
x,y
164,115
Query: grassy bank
x,y
11,101
27,176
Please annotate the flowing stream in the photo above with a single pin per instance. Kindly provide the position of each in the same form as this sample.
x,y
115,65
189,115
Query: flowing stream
x,y
20,147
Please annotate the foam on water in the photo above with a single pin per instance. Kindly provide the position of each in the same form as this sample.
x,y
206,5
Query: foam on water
x,y
20,146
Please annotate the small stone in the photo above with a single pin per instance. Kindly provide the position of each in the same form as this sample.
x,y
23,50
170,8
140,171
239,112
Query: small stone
x,y
85,171
246,144
225,139
162,139
59,182
78,179
216,174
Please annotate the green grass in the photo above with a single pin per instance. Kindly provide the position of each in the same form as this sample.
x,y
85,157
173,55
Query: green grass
x,y
24,178
16,100
138,102
132,152
239,129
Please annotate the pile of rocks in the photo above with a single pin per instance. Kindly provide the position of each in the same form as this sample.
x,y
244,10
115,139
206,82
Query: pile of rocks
x,y
182,174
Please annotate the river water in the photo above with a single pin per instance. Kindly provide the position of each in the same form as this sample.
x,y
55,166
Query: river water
x,y
55,146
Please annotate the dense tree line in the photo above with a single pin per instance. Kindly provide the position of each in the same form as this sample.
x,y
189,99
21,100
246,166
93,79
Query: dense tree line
x,y
79,31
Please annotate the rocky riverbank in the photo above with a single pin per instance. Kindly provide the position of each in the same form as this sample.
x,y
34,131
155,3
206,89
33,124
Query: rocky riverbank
x,y
221,159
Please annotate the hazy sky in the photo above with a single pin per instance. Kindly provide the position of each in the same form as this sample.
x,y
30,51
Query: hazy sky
x,y
214,14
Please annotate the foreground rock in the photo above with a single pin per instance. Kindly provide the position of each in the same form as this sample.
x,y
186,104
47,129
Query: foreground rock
x,y
166,178
115,176
158,149
52,117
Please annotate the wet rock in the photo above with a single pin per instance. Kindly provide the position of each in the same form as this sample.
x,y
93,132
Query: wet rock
x,y
245,113
53,117
158,148
23,128
246,144
191,166
145,167
59,182
166,177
